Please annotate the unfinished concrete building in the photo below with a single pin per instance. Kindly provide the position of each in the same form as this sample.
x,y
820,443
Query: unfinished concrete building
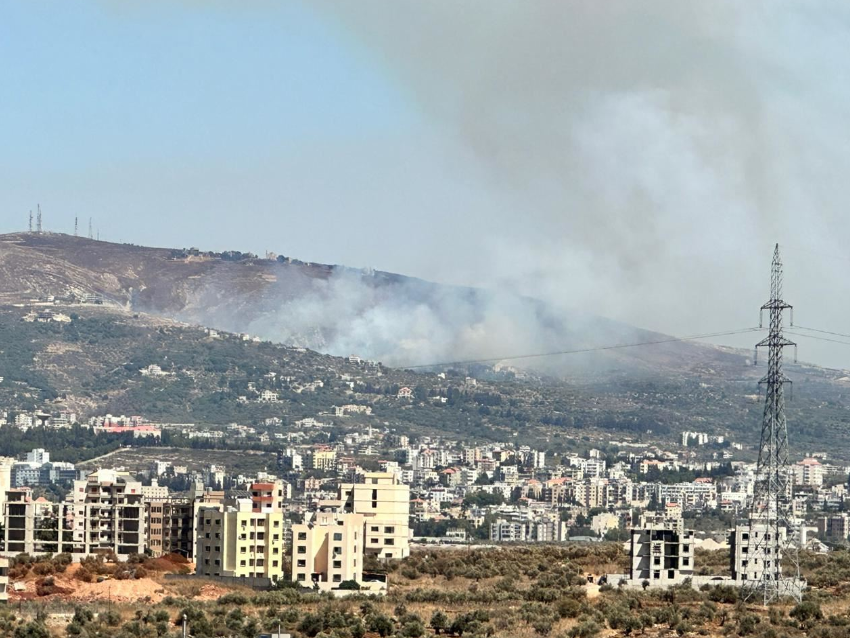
x,y
662,551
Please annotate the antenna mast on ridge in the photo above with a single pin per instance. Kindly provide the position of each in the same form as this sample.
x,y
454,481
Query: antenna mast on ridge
x,y
38,220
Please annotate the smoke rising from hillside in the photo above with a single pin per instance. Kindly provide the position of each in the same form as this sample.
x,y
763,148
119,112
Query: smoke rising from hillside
x,y
640,158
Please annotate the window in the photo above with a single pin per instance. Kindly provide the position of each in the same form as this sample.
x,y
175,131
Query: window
x,y
389,541
337,578
337,536
671,573
337,564
301,577
301,563
302,536
375,528
374,540
389,530
686,561
656,575
274,563
302,549
242,563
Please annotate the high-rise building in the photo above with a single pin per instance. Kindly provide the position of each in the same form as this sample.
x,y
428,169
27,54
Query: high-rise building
x,y
384,503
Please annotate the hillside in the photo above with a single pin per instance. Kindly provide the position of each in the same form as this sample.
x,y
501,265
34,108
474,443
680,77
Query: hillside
x,y
91,364
398,320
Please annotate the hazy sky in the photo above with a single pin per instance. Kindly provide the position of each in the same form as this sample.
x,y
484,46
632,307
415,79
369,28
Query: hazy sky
x,y
636,160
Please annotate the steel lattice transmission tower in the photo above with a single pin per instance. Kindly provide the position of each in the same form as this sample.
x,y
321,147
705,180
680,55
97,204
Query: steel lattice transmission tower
x,y
772,528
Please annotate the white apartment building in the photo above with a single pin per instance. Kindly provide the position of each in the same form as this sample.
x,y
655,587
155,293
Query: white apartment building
x,y
503,531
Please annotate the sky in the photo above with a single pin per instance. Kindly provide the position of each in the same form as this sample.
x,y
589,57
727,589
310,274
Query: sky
x,y
633,160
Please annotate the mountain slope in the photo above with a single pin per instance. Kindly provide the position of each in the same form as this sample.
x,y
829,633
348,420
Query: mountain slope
x,y
398,320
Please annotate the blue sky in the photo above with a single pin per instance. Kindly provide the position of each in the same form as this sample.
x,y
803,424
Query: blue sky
x,y
245,125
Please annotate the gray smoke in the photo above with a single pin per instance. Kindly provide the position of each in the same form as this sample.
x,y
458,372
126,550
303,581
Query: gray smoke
x,y
641,158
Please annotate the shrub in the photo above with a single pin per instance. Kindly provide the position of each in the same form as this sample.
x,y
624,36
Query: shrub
x,y
84,575
587,629
439,622
45,586
806,612
569,608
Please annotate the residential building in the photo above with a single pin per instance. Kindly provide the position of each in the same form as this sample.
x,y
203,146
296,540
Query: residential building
x,y
749,559
245,538
155,491
105,513
324,459
834,528
503,531
662,551
808,472
328,550
30,526
385,503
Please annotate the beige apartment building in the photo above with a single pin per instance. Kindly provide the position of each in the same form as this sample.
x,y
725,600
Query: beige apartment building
x,y
245,538
323,459
328,550
384,503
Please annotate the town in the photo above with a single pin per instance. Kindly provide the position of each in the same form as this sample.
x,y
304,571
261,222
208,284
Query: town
x,y
329,511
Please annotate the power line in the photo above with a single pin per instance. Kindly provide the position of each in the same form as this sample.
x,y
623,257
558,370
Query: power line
x,y
805,336
826,332
584,350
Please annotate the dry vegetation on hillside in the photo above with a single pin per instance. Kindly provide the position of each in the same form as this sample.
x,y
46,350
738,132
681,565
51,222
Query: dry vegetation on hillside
x,y
513,592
